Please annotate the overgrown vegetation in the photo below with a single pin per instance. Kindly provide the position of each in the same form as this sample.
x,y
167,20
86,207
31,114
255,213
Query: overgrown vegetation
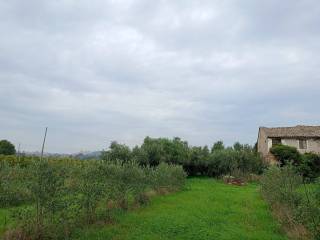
x,y
219,161
307,165
295,203
60,195
293,191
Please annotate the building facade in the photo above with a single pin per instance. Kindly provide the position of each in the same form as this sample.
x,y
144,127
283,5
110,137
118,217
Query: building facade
x,y
304,138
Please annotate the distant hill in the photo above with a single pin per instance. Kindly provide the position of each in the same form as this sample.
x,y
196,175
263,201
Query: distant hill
x,y
80,155
87,155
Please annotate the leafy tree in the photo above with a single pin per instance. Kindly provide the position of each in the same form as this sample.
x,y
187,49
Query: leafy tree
x,y
117,152
154,150
140,156
7,148
237,146
217,146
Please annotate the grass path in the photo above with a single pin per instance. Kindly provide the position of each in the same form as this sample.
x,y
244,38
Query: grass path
x,y
207,209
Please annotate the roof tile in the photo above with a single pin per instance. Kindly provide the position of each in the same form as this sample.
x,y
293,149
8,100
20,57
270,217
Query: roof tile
x,y
297,131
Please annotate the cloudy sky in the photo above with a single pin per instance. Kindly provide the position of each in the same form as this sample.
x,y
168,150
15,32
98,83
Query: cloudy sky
x,y
95,71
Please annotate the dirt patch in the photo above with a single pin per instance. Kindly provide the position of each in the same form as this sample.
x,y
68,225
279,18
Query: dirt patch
x,y
234,181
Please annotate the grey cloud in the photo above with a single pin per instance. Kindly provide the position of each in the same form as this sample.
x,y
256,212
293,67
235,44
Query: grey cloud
x,y
96,71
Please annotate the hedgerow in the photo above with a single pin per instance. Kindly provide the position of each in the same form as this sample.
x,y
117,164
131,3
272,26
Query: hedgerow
x,y
195,160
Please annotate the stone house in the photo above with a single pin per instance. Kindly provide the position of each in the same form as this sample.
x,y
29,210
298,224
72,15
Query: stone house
x,y
304,138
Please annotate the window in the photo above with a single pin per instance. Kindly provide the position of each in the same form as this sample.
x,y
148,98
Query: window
x,y
303,144
276,141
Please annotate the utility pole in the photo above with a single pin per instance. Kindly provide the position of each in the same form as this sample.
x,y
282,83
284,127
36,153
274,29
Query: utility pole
x,y
39,207
44,141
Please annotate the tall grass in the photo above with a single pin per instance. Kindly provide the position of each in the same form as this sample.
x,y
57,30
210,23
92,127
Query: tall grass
x,y
296,204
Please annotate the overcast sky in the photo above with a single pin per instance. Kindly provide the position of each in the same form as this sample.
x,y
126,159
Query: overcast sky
x,y
95,71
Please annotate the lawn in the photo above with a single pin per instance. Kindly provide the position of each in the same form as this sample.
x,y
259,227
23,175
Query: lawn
x,y
206,209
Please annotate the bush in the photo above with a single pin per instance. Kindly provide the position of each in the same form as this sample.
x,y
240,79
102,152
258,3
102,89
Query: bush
x,y
280,185
168,177
295,202
13,186
286,154
310,166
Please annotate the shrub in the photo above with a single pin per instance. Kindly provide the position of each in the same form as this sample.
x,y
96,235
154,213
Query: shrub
x,y
286,154
229,161
168,177
13,186
310,166
284,189
279,185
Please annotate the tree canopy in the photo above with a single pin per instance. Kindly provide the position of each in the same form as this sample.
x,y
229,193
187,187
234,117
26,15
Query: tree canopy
x,y
7,148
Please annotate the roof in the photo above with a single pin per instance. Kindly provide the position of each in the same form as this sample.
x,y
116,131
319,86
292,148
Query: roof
x,y
290,132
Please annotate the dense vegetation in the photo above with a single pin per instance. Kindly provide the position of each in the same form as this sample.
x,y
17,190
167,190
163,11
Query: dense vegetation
x,y
7,148
219,161
295,203
54,197
293,191
60,195
307,165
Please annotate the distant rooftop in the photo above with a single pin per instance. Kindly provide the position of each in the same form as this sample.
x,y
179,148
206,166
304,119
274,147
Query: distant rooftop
x,y
297,131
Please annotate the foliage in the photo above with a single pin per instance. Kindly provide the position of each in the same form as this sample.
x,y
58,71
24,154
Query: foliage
x,y
117,152
195,160
217,146
286,154
66,193
7,148
63,194
13,189
308,164
281,184
297,202
168,177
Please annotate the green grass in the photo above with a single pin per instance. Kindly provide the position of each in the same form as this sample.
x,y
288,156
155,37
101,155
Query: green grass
x,y
207,209
5,220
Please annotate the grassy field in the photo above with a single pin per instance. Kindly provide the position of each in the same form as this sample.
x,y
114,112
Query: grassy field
x,y
207,209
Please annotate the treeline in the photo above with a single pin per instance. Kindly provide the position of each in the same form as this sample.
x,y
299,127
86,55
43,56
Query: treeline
x,y
214,162
58,195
